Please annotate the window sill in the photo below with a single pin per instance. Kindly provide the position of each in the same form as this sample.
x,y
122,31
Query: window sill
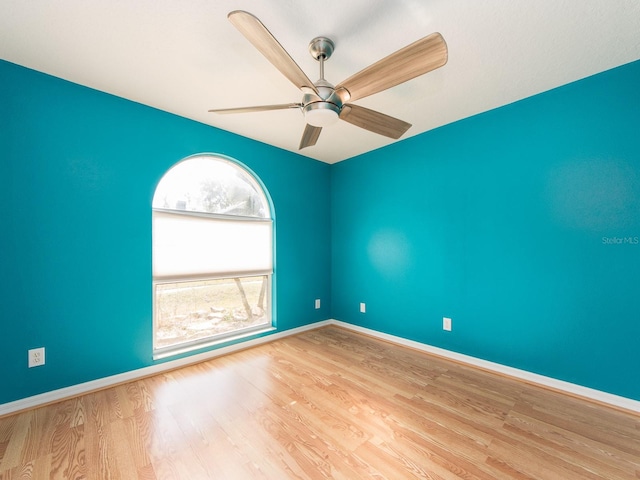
x,y
212,342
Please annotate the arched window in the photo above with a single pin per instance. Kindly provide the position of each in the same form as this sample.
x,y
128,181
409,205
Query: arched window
x,y
212,255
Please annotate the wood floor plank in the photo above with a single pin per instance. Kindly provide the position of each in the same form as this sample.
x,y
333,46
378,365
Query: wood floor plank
x,y
328,403
568,447
146,472
39,435
19,435
100,460
586,421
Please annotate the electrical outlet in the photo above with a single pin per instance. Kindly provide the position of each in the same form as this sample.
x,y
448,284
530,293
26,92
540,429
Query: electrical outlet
x,y
317,303
446,324
36,357
363,308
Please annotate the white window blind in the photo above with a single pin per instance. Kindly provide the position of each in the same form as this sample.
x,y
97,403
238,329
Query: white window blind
x,y
193,245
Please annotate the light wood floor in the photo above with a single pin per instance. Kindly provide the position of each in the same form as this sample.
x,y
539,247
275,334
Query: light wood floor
x,y
324,404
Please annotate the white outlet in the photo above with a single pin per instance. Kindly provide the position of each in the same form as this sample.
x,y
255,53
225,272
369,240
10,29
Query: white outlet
x,y
36,357
446,324
363,308
317,303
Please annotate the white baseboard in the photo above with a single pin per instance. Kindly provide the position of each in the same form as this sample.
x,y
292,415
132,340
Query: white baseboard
x,y
533,378
87,387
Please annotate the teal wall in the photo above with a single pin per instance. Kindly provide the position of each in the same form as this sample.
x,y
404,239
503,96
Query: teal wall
x,y
78,170
501,221
496,221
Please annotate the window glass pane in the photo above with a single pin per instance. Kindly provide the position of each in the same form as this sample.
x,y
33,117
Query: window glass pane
x,y
199,184
190,311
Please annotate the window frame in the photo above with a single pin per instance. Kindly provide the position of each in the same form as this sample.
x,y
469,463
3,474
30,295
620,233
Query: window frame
x,y
238,334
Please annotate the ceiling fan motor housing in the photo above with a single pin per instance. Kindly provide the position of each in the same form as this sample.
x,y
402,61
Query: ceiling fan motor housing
x,y
322,109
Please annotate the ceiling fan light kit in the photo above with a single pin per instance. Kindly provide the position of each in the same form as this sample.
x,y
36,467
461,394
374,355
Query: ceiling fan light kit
x,y
322,103
321,114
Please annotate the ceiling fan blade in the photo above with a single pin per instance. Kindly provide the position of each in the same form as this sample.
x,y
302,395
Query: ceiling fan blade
x,y
262,108
409,62
266,43
373,121
309,136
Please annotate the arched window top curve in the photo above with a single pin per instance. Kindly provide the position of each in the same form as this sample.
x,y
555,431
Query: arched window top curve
x,y
211,184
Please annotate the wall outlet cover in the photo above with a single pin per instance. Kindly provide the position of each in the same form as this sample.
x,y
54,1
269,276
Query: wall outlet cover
x,y
36,357
446,324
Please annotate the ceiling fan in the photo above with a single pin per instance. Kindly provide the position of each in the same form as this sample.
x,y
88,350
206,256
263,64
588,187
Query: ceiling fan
x,y
322,103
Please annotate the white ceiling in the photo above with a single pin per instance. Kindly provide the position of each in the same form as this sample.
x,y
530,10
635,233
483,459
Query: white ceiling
x,y
185,57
